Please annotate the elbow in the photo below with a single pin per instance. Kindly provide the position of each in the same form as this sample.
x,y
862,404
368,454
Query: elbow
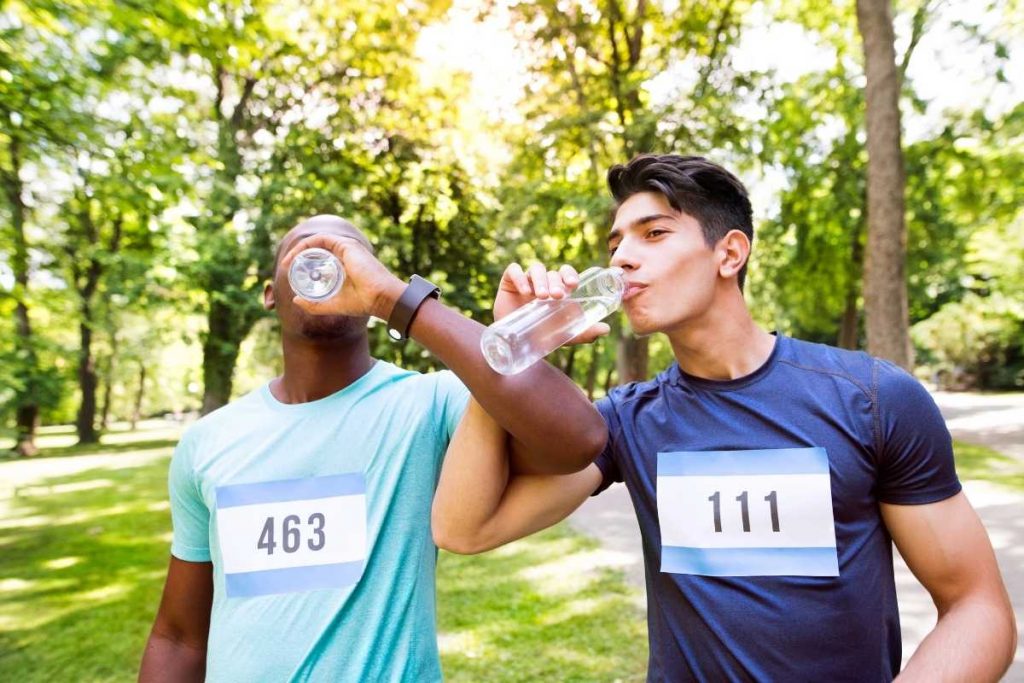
x,y
460,544
586,449
455,545
449,537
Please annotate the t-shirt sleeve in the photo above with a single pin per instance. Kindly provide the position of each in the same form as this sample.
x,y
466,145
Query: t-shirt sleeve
x,y
916,463
605,461
189,514
451,398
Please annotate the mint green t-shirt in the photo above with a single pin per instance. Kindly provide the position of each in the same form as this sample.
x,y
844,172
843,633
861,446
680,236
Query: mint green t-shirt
x,y
316,517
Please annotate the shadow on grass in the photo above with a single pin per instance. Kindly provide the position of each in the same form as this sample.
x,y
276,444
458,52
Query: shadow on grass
x,y
83,558
528,612
81,574
94,449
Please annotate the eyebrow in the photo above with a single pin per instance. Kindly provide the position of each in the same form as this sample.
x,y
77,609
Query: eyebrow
x,y
643,220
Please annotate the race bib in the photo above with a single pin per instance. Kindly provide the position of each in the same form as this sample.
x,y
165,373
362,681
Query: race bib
x,y
747,513
292,535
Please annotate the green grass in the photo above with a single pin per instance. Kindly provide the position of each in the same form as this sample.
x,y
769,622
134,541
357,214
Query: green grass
x,y
82,562
83,557
978,462
531,612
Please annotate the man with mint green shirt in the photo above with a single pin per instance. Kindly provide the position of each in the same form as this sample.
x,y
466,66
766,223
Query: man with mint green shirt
x,y
302,545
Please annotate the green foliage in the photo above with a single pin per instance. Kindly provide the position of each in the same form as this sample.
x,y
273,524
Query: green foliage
x,y
809,256
153,154
976,341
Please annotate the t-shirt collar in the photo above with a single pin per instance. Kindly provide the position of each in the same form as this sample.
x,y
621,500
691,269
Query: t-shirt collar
x,y
681,378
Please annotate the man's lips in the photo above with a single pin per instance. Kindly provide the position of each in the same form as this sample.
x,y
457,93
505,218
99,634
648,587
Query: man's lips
x,y
633,289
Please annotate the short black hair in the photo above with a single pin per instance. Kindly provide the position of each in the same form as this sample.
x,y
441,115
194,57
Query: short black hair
x,y
693,185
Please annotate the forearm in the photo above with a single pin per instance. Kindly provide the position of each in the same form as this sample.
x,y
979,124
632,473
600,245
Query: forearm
x,y
559,429
172,661
974,640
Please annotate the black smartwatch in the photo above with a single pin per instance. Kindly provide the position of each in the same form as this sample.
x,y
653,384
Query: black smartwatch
x,y
416,292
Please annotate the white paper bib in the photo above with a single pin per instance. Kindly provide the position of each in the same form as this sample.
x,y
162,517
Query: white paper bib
x,y
292,535
747,513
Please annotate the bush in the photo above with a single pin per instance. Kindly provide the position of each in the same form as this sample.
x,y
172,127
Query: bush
x,y
977,342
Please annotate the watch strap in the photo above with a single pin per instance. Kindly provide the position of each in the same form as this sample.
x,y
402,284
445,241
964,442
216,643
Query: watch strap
x,y
416,292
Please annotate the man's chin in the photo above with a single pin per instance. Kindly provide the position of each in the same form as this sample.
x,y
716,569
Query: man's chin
x,y
332,328
640,325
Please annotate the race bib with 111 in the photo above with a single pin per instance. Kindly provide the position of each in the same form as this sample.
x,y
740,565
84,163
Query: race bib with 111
x,y
747,513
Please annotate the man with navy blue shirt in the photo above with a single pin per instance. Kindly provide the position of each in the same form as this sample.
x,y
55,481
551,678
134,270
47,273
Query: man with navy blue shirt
x,y
769,475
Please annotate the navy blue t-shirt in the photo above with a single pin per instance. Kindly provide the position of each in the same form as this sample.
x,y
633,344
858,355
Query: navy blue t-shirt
x,y
813,423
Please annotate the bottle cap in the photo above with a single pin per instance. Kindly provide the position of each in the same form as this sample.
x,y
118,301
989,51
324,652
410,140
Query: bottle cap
x,y
315,274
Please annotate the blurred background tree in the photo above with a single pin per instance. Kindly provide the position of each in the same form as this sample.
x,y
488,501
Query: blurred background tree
x,y
151,155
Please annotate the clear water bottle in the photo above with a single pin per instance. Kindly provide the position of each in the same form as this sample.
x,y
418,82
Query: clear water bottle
x,y
531,332
316,274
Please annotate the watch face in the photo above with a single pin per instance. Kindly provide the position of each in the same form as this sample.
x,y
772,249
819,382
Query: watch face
x,y
395,334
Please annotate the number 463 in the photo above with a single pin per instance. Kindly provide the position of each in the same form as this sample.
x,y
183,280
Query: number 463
x,y
291,533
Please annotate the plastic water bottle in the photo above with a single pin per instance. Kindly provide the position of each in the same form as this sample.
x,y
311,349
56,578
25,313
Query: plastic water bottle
x,y
316,274
531,332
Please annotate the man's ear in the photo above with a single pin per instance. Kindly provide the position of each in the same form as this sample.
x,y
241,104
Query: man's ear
x,y
733,252
268,296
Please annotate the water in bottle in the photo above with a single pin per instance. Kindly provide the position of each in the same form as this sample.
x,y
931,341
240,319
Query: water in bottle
x,y
316,274
526,335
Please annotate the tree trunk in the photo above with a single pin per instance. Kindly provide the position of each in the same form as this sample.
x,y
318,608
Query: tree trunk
x,y
27,410
595,359
609,378
108,381
631,358
107,396
85,423
137,409
230,315
86,283
885,287
848,324
570,361
220,353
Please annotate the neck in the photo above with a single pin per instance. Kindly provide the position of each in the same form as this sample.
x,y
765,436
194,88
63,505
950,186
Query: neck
x,y
723,343
316,369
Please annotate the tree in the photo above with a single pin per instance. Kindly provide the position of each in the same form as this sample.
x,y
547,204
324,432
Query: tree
x,y
591,104
326,68
885,285
107,221
34,116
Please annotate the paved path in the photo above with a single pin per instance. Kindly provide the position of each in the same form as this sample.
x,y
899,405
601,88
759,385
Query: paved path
x,y
993,420
996,421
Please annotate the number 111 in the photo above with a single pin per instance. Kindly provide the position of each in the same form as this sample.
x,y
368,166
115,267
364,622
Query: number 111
x,y
773,504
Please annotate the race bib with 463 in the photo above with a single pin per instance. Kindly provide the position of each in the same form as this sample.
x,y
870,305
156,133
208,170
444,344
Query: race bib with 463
x,y
292,535
747,513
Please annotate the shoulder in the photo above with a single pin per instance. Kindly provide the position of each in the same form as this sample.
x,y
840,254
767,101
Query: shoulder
x,y
855,368
438,380
441,389
628,397
228,414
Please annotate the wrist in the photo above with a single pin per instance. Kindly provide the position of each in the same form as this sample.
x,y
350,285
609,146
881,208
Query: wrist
x,y
386,298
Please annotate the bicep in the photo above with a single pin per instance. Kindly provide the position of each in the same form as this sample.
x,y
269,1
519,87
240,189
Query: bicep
x,y
946,547
184,614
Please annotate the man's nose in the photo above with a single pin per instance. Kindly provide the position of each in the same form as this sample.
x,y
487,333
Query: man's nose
x,y
624,257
